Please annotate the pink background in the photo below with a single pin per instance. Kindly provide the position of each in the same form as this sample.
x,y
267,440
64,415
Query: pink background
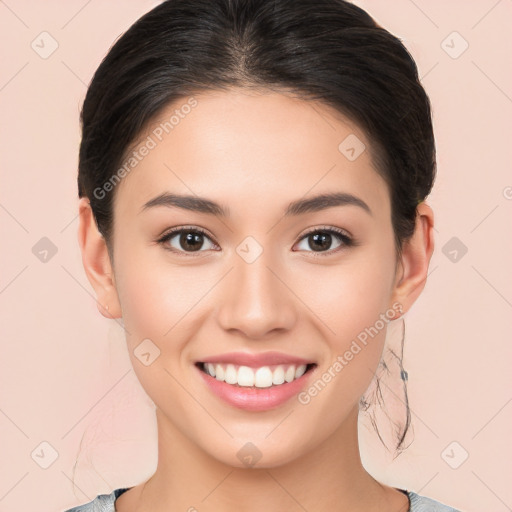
x,y
65,376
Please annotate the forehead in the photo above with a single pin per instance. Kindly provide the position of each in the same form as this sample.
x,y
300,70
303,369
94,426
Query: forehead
x,y
246,148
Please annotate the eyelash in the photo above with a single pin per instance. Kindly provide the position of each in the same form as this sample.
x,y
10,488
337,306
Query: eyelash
x,y
346,240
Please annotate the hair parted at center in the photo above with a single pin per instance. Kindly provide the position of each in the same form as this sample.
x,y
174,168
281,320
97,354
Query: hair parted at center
x,y
330,51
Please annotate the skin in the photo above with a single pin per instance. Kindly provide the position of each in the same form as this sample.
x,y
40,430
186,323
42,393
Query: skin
x,y
254,153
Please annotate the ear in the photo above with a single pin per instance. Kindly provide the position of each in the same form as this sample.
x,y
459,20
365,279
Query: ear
x,y
96,262
412,268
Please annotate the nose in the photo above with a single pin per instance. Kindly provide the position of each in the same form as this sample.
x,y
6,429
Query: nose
x,y
255,300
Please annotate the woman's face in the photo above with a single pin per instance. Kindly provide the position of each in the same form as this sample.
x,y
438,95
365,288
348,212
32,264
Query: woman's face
x,y
258,280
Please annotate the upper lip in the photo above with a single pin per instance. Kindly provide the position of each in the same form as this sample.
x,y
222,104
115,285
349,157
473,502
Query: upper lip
x,y
256,360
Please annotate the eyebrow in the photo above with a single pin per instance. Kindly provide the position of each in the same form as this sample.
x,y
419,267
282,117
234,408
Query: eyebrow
x,y
298,207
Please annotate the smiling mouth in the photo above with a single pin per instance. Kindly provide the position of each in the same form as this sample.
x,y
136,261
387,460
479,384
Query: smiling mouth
x,y
260,377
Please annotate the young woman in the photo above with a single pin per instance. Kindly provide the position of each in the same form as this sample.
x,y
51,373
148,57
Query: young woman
x,y
252,184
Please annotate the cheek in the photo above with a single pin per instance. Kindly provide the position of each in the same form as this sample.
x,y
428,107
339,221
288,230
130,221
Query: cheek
x,y
157,305
152,294
351,296
353,306
165,303
155,300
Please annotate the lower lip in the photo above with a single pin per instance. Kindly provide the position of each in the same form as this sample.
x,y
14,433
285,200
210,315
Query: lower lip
x,y
252,398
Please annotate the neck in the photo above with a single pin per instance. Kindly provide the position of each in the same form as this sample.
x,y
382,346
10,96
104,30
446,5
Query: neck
x,y
328,477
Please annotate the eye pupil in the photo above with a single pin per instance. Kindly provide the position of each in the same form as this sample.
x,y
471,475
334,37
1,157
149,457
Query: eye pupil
x,y
192,241
322,239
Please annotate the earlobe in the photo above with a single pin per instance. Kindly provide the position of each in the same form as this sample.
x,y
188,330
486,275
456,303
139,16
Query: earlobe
x,y
416,254
96,262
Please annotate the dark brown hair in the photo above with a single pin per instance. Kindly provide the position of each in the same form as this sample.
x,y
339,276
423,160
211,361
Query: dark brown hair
x,y
326,50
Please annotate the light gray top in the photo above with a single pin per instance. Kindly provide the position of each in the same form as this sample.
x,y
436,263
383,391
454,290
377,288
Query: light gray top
x,y
105,503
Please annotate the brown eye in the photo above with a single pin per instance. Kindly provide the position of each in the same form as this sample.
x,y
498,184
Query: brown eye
x,y
186,240
321,240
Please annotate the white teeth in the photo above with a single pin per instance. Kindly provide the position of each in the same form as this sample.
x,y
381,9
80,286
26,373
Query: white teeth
x,y
231,375
278,375
300,371
262,377
219,372
245,376
290,374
